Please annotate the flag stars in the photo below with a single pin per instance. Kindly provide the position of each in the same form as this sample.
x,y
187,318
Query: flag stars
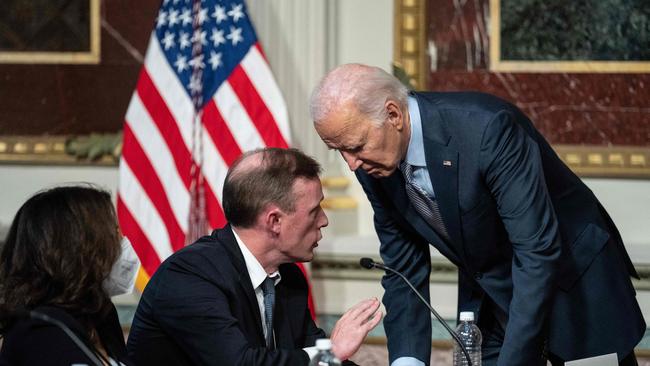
x,y
219,14
184,40
181,63
162,19
195,84
215,60
173,18
203,15
186,16
200,36
168,40
217,37
235,35
236,13
197,62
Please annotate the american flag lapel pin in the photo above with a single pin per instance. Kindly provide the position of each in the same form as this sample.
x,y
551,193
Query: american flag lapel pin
x,y
446,163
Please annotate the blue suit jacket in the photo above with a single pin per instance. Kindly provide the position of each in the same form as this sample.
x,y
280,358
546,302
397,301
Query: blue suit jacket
x,y
524,230
199,308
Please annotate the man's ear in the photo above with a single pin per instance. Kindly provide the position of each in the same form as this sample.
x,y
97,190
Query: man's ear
x,y
395,114
273,216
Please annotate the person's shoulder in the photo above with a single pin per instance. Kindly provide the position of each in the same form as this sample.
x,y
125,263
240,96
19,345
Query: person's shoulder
x,y
465,100
292,276
40,329
208,247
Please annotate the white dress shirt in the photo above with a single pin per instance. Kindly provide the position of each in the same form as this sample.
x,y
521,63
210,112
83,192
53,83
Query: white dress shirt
x,y
257,274
415,157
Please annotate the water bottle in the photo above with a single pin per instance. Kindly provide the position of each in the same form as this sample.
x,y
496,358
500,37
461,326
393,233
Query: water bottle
x,y
470,337
324,357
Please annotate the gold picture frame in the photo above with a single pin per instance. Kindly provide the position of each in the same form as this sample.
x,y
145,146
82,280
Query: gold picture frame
x,y
410,42
92,56
499,65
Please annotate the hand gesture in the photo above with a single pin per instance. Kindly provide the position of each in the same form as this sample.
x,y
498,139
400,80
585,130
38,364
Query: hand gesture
x,y
353,327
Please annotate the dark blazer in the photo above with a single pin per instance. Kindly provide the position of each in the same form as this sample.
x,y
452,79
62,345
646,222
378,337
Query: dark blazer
x,y
34,342
199,308
524,231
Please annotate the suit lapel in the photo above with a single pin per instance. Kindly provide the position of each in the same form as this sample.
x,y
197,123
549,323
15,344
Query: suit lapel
x,y
395,185
226,236
442,164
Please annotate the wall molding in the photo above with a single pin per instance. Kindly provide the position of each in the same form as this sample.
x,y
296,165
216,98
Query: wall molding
x,y
346,267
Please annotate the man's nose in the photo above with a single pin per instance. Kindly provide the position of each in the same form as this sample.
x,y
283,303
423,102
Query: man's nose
x,y
325,221
352,160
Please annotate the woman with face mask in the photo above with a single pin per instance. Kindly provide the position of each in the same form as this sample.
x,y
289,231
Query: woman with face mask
x,y
55,267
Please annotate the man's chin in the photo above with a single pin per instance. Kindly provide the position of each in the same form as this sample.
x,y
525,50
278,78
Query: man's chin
x,y
380,173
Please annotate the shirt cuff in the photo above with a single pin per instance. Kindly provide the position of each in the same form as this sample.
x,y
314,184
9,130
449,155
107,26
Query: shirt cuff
x,y
407,361
311,351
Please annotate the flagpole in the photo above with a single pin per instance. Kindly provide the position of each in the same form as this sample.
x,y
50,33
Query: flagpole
x,y
197,218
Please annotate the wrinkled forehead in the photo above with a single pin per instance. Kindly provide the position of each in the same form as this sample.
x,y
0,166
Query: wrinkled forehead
x,y
342,127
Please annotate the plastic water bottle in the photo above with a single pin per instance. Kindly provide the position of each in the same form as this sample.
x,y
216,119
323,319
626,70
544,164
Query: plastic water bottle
x,y
471,338
324,357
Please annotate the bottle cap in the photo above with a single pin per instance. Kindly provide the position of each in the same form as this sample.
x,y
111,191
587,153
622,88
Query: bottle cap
x,y
466,316
323,344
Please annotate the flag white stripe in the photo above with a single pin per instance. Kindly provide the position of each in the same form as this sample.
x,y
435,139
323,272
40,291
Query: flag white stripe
x,y
260,75
236,118
160,158
170,89
144,212
214,168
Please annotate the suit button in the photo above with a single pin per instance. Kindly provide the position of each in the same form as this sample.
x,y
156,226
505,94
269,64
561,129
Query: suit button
x,y
478,275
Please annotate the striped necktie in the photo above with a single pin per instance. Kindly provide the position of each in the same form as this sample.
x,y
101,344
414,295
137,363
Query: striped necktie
x,y
268,288
424,205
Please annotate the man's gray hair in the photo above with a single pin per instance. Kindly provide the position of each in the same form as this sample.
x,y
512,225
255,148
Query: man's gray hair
x,y
367,87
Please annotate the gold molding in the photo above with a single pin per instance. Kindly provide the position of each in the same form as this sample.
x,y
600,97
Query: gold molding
x,y
346,267
498,65
335,182
584,160
604,161
410,41
90,57
339,203
44,150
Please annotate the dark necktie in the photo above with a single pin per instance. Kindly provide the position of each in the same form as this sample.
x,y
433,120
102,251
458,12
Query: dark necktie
x,y
424,205
268,288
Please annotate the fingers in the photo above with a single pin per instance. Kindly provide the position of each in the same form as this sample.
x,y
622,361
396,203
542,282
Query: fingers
x,y
363,309
373,321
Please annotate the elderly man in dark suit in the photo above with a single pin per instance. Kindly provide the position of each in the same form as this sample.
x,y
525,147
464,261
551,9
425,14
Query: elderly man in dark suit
x,y
236,297
539,259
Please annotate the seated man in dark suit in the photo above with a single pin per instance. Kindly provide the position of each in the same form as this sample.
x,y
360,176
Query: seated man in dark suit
x,y
236,297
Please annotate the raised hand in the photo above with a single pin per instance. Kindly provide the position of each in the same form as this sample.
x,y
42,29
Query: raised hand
x,y
353,327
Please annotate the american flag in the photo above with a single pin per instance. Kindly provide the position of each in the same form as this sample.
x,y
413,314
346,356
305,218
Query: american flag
x,y
205,94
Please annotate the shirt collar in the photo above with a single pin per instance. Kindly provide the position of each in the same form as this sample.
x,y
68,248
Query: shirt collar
x,y
415,152
255,270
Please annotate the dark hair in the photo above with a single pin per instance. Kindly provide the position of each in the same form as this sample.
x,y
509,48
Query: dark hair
x,y
60,247
248,190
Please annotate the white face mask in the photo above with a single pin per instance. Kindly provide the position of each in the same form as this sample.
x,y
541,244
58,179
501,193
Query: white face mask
x,y
121,280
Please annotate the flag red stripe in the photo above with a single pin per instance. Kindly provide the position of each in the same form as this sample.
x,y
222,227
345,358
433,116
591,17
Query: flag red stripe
x,y
261,51
148,256
215,214
310,298
146,175
256,108
166,123
220,133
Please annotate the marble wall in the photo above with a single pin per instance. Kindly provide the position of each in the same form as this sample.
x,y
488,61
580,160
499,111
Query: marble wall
x,y
594,108
58,99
